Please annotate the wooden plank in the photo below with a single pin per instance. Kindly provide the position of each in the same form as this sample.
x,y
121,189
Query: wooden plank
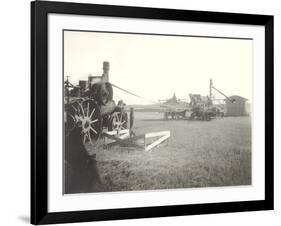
x,y
142,136
114,132
133,145
157,134
128,140
157,142
113,137
124,136
125,139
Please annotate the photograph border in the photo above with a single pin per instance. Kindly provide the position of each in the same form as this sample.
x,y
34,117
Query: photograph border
x,y
39,112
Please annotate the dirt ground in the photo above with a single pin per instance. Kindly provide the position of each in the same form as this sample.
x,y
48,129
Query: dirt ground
x,y
198,154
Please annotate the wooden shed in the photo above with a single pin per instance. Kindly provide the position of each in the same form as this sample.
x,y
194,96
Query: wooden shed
x,y
235,107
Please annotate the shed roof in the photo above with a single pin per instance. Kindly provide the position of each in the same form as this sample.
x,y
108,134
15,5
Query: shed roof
x,y
237,97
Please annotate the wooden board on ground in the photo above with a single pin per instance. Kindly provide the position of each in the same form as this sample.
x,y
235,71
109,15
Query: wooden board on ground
x,y
124,138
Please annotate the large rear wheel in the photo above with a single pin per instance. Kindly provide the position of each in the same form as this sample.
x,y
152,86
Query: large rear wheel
x,y
86,114
118,122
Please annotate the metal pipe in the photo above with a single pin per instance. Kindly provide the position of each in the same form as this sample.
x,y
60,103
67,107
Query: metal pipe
x,y
223,94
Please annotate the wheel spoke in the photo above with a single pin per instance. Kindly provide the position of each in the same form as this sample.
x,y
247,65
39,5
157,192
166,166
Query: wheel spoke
x,y
92,113
72,118
96,120
82,109
89,136
85,135
91,128
74,108
78,113
88,109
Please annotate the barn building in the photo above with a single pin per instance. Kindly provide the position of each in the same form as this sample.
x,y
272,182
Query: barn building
x,y
235,106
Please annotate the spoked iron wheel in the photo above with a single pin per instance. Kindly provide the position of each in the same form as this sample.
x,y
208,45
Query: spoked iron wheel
x,y
119,121
86,114
71,115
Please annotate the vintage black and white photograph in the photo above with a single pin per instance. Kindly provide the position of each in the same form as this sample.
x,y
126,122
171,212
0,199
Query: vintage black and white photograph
x,y
155,111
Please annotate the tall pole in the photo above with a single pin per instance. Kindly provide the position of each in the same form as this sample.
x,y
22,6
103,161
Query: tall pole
x,y
212,87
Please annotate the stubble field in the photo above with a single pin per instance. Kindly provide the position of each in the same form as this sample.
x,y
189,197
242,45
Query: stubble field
x,y
198,154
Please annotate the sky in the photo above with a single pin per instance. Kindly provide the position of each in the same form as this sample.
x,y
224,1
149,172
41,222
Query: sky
x,y
157,66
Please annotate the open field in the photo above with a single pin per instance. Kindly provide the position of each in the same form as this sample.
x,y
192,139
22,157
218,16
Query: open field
x,y
198,154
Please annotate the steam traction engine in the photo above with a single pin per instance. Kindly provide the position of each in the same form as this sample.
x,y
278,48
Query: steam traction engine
x,y
90,106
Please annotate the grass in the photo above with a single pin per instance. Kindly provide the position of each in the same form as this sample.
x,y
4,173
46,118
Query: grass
x,y
198,154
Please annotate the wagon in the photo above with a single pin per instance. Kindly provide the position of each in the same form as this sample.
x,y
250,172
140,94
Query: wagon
x,y
174,108
199,108
175,113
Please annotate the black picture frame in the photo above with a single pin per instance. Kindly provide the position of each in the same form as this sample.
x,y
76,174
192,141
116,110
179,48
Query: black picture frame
x,y
39,112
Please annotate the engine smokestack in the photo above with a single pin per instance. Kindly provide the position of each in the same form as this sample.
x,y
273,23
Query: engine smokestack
x,y
105,75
